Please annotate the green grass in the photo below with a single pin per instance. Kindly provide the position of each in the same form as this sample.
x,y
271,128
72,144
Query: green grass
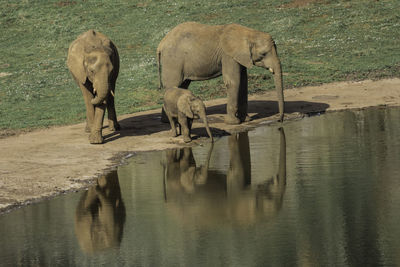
x,y
318,43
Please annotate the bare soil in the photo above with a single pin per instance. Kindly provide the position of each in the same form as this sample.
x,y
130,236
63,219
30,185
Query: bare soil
x,y
44,163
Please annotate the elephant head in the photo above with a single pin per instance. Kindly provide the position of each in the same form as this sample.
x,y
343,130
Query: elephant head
x,y
94,58
193,107
98,67
254,48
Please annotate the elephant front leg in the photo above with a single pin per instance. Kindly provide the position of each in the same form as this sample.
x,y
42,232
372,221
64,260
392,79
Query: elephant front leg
x,y
87,97
173,126
183,121
172,122
231,72
95,136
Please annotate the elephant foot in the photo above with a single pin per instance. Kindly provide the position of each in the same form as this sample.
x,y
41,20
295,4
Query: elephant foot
x,y
187,139
232,120
96,138
87,128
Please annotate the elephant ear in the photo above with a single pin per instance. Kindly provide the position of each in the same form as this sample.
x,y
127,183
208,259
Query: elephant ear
x,y
75,63
184,105
235,42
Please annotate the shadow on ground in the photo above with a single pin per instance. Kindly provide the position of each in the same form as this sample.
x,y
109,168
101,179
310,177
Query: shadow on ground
x,y
264,108
258,109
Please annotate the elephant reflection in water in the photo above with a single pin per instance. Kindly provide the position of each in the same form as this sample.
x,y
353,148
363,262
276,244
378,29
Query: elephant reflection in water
x,y
181,172
100,215
225,198
269,195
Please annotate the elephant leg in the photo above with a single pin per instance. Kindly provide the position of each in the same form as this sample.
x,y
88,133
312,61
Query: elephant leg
x,y
231,73
243,96
113,124
87,97
189,123
182,119
171,76
96,130
185,84
172,122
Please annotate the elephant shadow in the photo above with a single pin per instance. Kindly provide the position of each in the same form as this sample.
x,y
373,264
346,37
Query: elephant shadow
x,y
138,125
266,108
150,124
200,132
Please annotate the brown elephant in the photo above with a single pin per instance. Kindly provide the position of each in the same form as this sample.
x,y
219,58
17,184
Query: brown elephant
x,y
181,107
93,61
195,52
100,215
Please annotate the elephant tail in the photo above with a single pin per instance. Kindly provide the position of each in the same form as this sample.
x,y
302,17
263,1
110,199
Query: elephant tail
x,y
159,69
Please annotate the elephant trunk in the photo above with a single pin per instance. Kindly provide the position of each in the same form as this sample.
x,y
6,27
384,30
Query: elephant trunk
x,y
278,80
203,116
102,90
274,65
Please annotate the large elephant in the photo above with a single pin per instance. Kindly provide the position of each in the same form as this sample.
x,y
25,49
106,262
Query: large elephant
x,y
93,61
194,52
100,215
181,107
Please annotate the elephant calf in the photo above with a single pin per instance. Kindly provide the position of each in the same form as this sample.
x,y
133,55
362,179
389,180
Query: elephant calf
x,y
94,64
181,107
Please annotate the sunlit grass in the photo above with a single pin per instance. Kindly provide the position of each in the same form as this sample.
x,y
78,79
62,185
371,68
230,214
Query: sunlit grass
x,y
321,42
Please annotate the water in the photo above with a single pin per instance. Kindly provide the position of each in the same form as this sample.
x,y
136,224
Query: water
x,y
323,191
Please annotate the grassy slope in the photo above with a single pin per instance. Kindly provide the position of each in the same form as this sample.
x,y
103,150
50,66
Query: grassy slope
x,y
321,42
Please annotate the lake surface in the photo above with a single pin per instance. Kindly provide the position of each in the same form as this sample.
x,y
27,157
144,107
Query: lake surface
x,y
321,191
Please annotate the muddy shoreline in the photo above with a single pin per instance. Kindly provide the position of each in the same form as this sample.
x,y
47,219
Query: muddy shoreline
x,y
42,164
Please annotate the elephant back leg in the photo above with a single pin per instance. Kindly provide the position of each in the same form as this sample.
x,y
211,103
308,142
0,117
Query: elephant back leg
x,y
185,84
171,70
183,121
243,96
113,124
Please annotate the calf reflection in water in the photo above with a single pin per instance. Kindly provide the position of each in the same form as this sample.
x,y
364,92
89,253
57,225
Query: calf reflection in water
x,y
181,172
200,196
100,215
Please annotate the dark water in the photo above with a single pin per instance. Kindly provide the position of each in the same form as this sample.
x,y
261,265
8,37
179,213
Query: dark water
x,y
324,191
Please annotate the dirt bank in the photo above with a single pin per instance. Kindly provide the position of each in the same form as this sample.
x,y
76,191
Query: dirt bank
x,y
44,163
